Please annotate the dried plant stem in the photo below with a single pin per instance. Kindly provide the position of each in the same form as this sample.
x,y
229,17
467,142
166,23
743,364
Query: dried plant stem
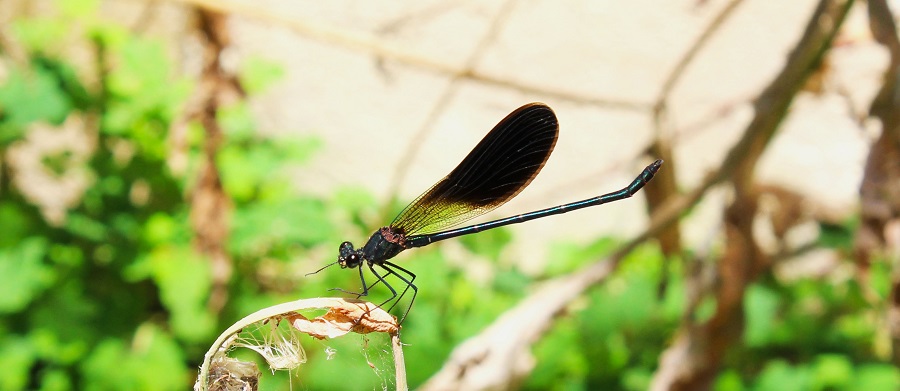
x,y
693,359
344,316
399,363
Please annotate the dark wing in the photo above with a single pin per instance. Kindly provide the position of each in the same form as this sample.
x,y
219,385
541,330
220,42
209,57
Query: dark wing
x,y
499,167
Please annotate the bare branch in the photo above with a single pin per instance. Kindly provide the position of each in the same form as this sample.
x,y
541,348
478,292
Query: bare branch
x,y
694,358
880,187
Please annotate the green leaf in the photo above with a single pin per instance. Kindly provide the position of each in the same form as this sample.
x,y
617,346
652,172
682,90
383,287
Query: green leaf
x,y
144,96
488,243
258,74
58,162
561,364
184,281
511,281
433,342
16,224
838,236
299,150
30,96
880,278
566,257
624,301
55,380
729,380
38,34
79,8
69,82
65,323
17,356
361,206
761,309
618,351
258,170
161,228
875,377
143,73
66,255
237,123
23,274
354,199
832,371
637,379
241,175
86,227
9,132
781,376
151,361
262,226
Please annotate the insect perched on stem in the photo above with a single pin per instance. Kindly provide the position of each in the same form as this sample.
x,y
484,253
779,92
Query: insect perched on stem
x,y
499,167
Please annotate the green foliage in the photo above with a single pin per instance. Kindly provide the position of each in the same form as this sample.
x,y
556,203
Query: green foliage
x,y
152,361
29,96
184,282
564,258
616,339
259,74
762,315
114,296
23,275
488,243
825,330
825,372
17,359
838,236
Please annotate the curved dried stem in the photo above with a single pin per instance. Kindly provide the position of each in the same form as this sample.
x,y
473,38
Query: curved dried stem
x,y
343,316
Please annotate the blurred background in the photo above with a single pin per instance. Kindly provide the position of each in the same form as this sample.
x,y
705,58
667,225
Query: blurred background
x,y
168,167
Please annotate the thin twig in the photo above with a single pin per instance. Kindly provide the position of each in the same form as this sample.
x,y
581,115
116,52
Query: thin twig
x,y
693,360
367,43
661,148
679,68
444,99
210,204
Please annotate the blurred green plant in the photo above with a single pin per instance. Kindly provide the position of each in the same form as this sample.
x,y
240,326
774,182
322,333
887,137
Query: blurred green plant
x,y
112,295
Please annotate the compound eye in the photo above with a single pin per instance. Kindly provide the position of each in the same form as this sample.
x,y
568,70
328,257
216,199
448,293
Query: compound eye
x,y
347,257
346,249
351,260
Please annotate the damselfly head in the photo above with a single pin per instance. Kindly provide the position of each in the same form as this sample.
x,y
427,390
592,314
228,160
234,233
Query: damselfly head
x,y
348,257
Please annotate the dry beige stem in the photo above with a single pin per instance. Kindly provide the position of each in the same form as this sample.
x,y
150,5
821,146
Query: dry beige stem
x,y
345,316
